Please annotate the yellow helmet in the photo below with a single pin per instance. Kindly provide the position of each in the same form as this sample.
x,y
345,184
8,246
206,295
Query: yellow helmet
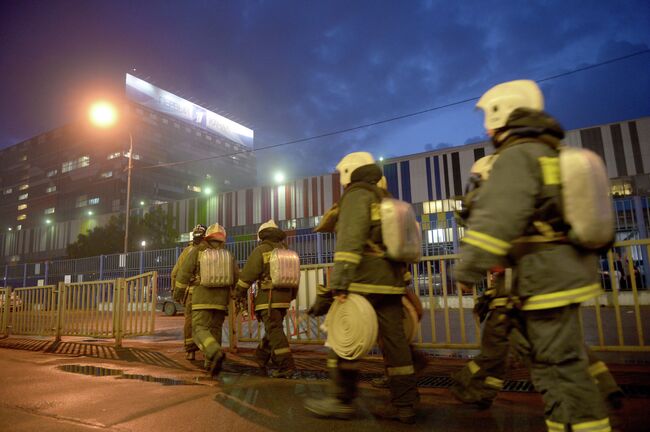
x,y
215,232
502,99
350,162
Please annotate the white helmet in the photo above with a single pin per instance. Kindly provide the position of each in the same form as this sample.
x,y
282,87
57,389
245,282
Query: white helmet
x,y
483,166
350,162
268,224
502,99
215,232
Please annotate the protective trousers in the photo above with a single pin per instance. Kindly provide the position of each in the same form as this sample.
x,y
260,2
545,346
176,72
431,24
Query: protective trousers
x,y
480,380
190,346
206,330
559,370
274,346
397,357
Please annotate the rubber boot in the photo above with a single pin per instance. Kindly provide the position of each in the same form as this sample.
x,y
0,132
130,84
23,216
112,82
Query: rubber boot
x,y
403,414
330,407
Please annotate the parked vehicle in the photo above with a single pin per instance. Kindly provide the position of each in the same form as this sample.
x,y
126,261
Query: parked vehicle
x,y
168,306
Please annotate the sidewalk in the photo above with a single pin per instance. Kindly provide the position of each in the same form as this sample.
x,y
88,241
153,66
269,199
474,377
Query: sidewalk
x,y
78,385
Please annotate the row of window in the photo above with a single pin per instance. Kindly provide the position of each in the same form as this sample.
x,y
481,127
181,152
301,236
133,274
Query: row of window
x,y
74,164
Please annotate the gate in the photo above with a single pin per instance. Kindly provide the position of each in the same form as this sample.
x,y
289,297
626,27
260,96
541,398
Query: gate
x,y
115,308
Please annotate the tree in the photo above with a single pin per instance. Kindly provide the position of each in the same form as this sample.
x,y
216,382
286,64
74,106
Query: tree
x,y
156,228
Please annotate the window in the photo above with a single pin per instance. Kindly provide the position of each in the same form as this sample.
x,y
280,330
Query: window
x,y
52,173
193,188
23,196
82,201
68,166
22,206
21,217
7,191
23,158
49,210
50,189
19,227
107,174
114,155
93,201
441,206
23,187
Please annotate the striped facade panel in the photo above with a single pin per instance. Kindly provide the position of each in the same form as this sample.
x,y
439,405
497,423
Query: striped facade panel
x,y
608,151
321,191
328,195
445,175
298,193
305,198
280,208
390,172
336,187
427,165
619,150
640,138
405,179
313,197
241,206
437,177
257,205
418,179
466,162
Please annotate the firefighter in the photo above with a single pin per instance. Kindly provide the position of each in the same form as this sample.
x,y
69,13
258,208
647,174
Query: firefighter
x,y
271,303
519,205
213,272
360,267
184,296
479,381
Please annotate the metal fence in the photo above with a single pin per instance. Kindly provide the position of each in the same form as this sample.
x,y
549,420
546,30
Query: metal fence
x,y
114,308
613,321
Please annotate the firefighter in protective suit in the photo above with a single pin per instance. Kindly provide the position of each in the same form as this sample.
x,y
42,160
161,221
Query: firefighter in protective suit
x,y
184,295
479,381
271,303
209,304
360,267
516,209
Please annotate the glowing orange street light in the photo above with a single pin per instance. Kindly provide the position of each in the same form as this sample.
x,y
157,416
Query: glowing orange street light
x,y
103,114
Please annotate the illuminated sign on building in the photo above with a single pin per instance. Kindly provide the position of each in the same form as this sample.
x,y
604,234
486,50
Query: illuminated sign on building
x,y
163,101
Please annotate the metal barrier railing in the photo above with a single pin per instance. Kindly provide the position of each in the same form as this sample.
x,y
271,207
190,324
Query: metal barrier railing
x,y
34,310
108,309
612,322
4,309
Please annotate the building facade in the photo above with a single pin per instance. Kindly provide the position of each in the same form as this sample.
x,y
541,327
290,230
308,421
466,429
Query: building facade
x,y
71,179
433,182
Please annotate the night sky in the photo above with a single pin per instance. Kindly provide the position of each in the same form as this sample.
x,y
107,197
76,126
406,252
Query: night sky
x,y
295,69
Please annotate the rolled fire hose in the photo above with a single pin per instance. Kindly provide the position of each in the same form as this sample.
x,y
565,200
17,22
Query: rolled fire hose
x,y
411,321
351,327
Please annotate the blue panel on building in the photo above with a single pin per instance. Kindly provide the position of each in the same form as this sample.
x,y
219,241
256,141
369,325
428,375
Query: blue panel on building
x,y
390,172
405,169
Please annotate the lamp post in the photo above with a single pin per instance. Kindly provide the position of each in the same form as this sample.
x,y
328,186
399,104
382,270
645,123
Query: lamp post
x,y
104,115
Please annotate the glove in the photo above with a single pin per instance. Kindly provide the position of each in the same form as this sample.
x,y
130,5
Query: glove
x,y
320,306
482,307
179,294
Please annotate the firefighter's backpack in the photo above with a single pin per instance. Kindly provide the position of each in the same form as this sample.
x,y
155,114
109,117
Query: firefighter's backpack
x,y
586,203
285,268
216,268
400,231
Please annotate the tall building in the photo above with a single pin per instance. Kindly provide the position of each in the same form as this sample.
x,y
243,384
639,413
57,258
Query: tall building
x,y
68,180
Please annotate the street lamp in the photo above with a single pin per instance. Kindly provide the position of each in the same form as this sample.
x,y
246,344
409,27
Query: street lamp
x,y
104,114
279,177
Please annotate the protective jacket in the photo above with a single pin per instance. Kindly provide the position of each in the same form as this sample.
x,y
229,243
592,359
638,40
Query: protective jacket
x,y
174,272
517,218
189,274
257,269
359,262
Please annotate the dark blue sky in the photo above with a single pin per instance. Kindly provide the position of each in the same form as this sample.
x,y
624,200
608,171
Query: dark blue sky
x,y
293,69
